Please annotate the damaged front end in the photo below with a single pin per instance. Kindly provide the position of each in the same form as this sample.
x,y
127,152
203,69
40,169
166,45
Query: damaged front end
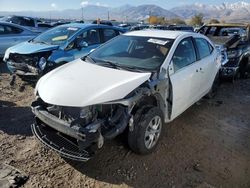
x,y
27,66
76,133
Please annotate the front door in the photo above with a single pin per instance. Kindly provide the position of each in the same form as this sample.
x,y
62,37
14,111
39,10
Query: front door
x,y
185,80
92,39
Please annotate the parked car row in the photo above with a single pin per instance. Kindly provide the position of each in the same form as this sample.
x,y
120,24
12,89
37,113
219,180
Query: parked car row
x,y
62,44
236,40
92,88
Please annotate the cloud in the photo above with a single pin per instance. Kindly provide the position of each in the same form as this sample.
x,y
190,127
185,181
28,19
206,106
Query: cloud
x,y
53,5
84,3
101,5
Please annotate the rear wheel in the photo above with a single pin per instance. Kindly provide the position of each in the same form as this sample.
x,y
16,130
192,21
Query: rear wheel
x,y
148,123
236,77
243,69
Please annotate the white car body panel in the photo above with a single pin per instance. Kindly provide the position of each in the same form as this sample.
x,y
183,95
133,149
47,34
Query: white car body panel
x,y
80,84
192,82
185,88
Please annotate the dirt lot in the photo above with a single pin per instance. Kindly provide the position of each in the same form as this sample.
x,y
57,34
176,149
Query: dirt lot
x,y
207,146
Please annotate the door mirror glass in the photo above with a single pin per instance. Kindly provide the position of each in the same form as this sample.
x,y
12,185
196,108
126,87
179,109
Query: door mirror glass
x,y
82,44
92,50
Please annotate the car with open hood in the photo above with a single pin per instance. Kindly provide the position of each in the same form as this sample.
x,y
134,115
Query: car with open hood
x,y
134,83
55,47
236,40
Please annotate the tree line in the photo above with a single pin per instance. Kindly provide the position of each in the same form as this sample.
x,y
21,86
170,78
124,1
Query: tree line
x,y
196,20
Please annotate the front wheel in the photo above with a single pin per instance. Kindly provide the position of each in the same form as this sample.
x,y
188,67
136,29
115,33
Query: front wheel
x,y
148,123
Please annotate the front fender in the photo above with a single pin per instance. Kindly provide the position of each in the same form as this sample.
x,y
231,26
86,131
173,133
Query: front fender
x,y
60,56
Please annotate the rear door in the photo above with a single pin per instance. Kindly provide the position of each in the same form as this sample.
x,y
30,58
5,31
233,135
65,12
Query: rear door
x,y
185,80
9,36
207,60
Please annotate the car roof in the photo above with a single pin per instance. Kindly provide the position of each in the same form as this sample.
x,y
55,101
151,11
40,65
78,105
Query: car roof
x,y
25,17
158,33
11,24
84,26
229,25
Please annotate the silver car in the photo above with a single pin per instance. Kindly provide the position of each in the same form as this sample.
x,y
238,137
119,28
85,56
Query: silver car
x,y
12,34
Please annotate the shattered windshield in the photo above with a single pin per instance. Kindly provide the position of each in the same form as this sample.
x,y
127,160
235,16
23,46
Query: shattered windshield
x,y
135,52
56,36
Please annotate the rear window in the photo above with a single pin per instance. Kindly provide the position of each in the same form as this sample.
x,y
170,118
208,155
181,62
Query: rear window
x,y
8,30
108,34
204,48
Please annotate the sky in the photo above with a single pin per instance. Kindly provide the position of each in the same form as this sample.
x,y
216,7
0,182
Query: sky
x,y
42,5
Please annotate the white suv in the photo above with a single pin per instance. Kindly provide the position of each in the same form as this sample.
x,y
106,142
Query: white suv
x,y
135,82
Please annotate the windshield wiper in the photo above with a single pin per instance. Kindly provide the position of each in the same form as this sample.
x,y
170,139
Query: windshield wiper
x,y
106,63
89,58
123,67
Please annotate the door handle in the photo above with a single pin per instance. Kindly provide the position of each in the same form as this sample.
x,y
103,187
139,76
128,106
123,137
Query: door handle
x,y
200,70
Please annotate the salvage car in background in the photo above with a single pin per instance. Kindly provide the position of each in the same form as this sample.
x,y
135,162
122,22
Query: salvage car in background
x,y
12,34
27,22
55,47
135,82
236,39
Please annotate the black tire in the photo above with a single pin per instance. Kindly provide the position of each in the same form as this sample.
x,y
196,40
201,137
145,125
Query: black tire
x,y
236,77
137,138
211,94
243,69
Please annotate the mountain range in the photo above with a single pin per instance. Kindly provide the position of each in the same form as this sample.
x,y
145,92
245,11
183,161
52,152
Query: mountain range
x,y
237,12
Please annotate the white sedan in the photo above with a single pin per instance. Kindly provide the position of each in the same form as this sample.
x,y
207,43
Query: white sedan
x,y
136,82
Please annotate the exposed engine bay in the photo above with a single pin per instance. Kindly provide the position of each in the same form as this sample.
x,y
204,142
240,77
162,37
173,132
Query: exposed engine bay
x,y
85,129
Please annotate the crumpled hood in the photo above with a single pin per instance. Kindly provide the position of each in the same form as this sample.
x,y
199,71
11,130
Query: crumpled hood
x,y
80,84
30,47
226,41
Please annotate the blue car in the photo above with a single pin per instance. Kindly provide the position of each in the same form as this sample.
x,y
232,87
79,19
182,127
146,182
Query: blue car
x,y
12,34
62,44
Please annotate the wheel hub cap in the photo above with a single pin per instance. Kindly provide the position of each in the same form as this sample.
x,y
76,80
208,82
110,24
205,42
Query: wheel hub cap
x,y
153,131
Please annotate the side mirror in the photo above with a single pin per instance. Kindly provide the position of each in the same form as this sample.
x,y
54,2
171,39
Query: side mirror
x,y
82,44
92,50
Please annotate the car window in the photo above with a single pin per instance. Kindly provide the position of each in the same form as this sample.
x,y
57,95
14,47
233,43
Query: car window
x,y
204,48
108,34
91,36
27,22
134,51
6,29
56,36
211,31
184,54
21,21
1,30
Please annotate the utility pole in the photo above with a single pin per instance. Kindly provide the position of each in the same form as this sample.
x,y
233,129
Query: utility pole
x,y
108,15
82,13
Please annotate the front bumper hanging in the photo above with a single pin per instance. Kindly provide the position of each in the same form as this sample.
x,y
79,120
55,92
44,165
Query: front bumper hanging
x,y
59,143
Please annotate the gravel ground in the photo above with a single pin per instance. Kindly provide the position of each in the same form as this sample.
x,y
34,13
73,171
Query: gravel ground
x,y
207,146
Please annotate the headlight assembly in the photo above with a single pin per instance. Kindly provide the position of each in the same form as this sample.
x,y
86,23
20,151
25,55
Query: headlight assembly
x,y
42,63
